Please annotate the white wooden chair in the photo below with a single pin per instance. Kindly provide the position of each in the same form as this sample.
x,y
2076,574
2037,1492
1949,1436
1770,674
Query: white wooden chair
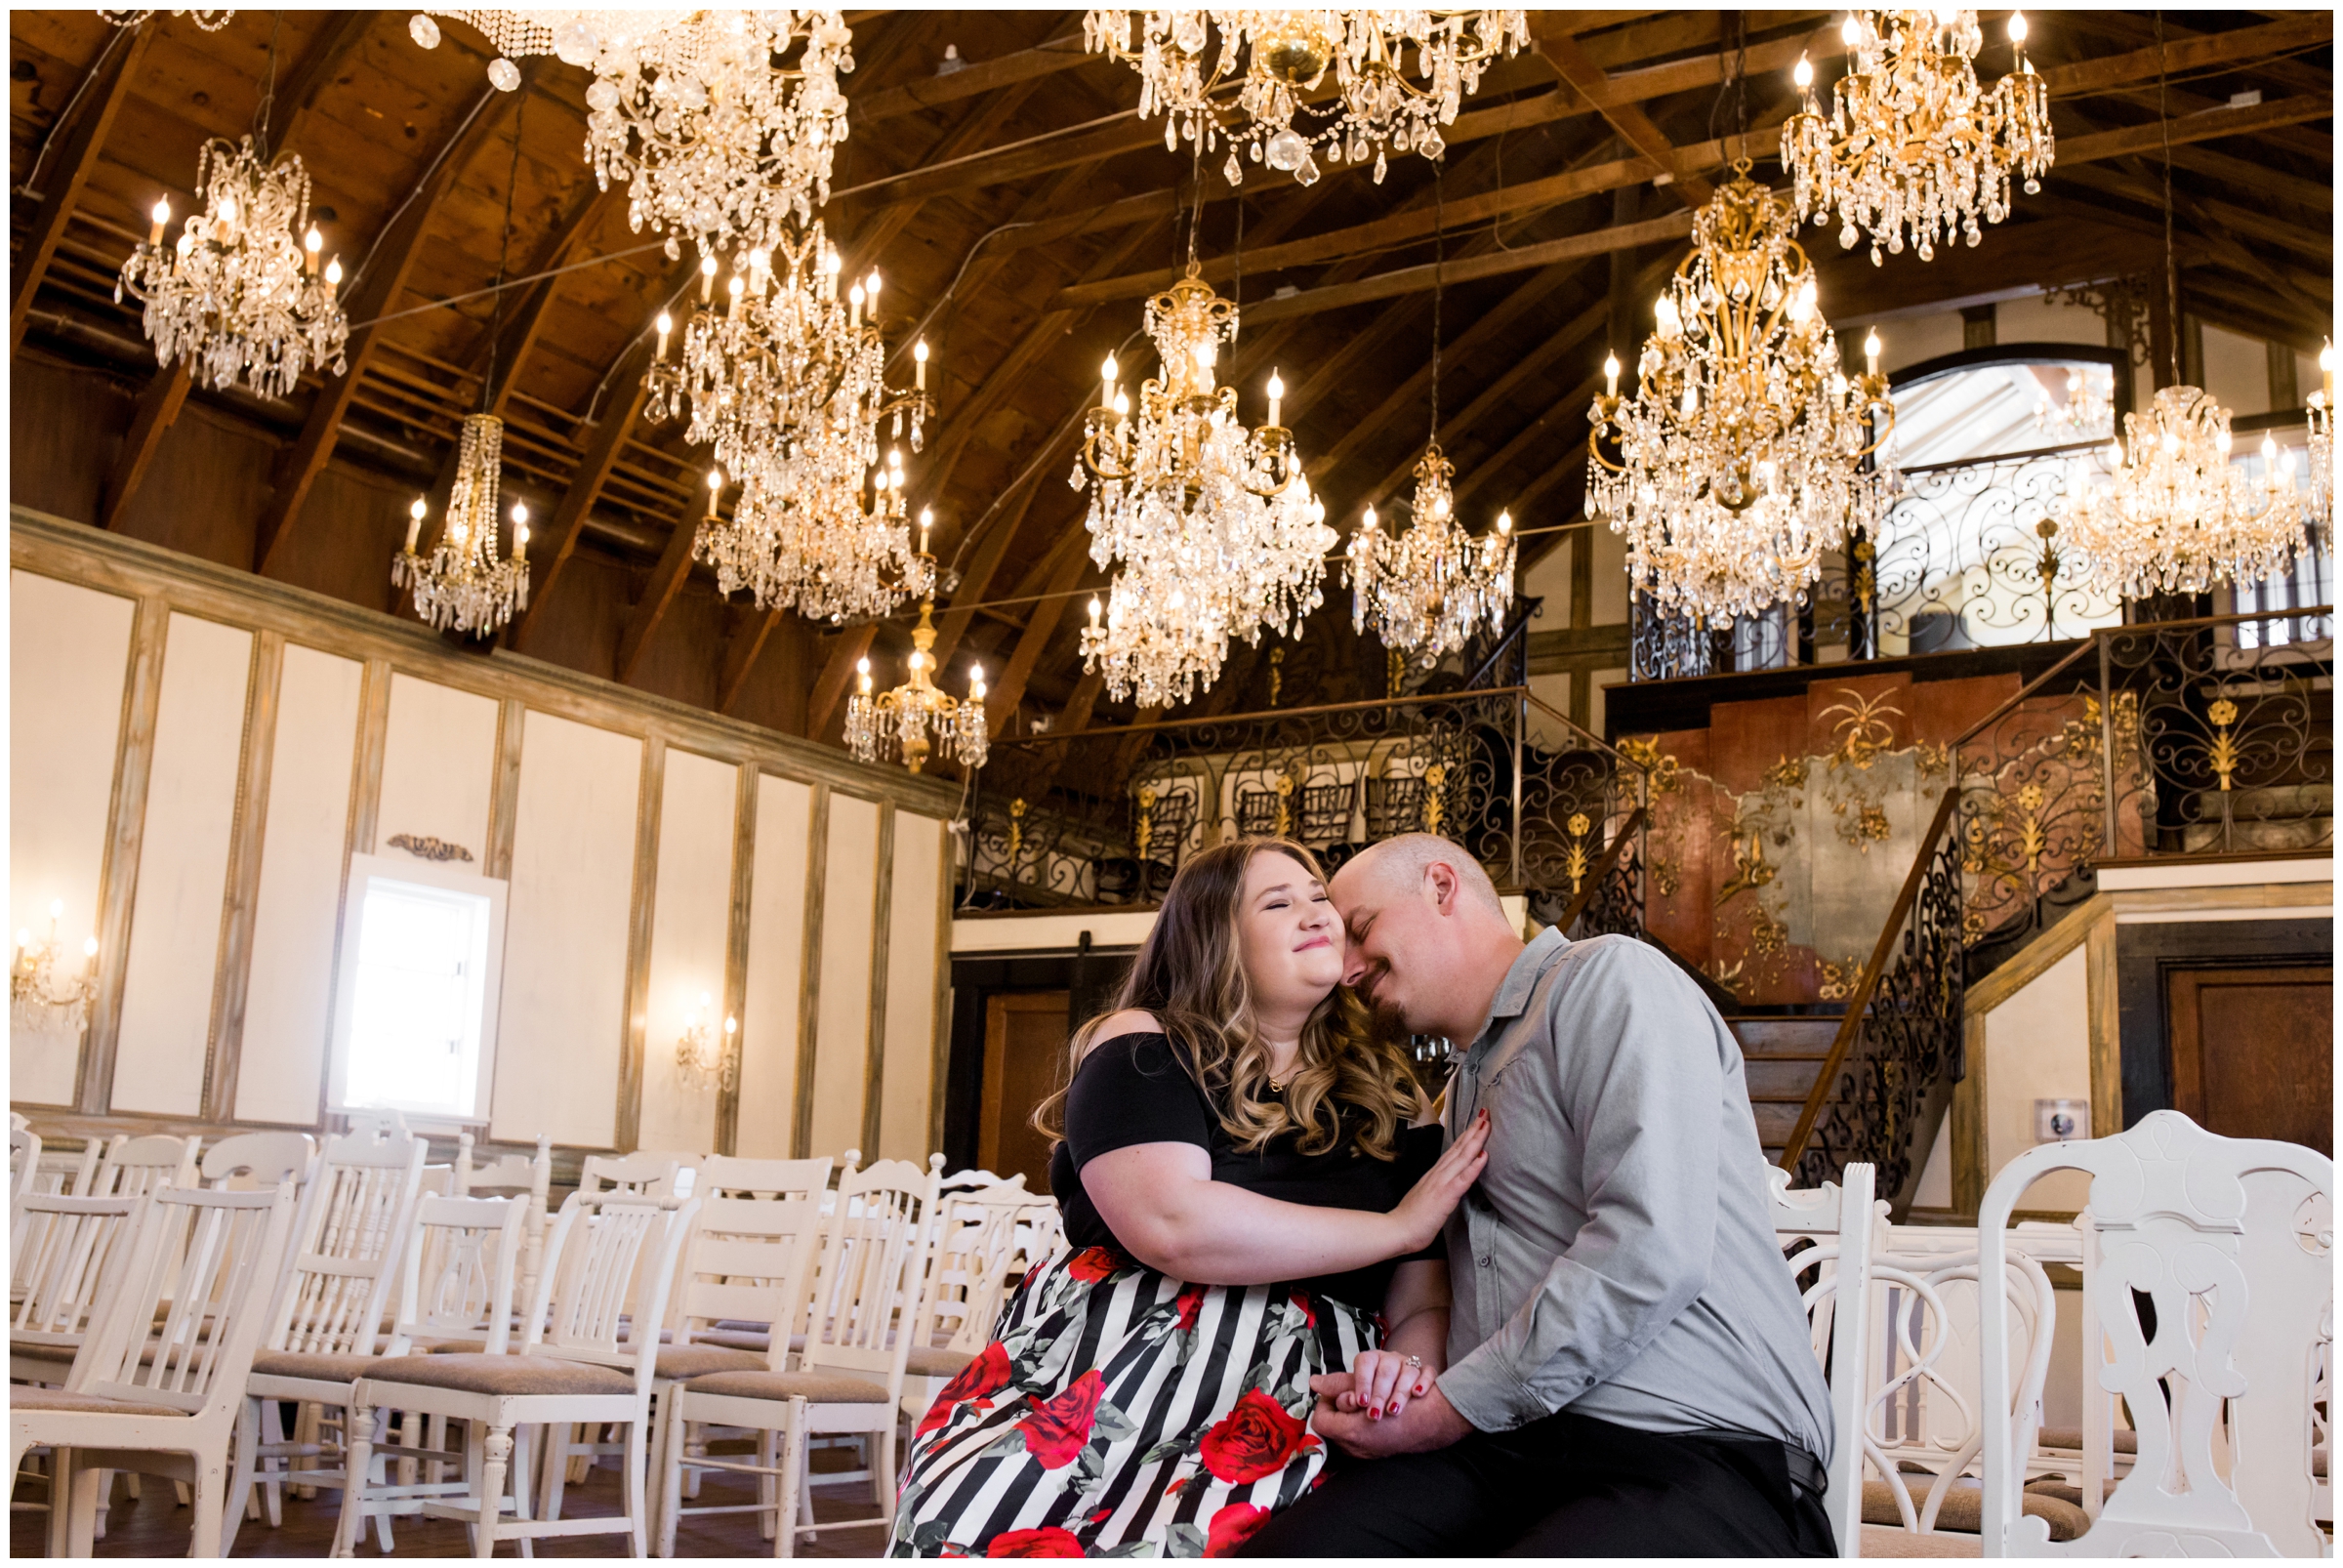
x,y
984,1237
69,1242
157,1383
642,1174
864,1304
576,1364
253,1160
131,1165
68,1171
1838,1312
23,1166
514,1174
2210,1294
457,1274
327,1318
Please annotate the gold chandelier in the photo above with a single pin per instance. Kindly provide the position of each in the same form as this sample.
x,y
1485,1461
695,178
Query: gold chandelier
x,y
239,297
898,722
721,124
1912,144
1215,524
1280,57
461,584
1428,588
42,997
1741,456
2178,516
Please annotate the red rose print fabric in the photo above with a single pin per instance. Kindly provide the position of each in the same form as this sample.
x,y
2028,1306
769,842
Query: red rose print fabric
x,y
987,1375
1060,1427
1232,1527
1257,1438
1048,1541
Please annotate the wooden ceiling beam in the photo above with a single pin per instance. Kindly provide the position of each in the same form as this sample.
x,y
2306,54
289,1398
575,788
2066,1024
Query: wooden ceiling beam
x,y
1626,117
71,157
372,293
337,43
2211,125
2241,48
1569,408
1026,66
740,657
658,597
1001,703
881,229
2246,175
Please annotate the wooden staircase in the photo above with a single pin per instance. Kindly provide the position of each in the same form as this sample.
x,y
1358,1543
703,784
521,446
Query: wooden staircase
x,y
1783,1056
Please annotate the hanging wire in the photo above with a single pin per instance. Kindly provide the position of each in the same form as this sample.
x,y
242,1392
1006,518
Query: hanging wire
x,y
1439,263
2163,118
259,113
503,247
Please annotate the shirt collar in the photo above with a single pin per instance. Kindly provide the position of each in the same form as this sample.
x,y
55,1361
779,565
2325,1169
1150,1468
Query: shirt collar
x,y
1514,993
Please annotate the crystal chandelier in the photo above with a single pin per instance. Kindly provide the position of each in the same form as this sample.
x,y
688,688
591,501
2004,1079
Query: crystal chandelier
x,y
1426,590
2086,414
42,998
1912,143
898,722
1739,456
723,124
461,583
1285,56
2321,504
1215,524
701,1060
2178,517
808,548
239,297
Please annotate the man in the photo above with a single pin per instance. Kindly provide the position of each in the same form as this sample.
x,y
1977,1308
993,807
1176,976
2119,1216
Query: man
x,y
1629,1371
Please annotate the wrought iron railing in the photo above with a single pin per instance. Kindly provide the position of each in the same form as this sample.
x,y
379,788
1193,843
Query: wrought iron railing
x,y
1105,818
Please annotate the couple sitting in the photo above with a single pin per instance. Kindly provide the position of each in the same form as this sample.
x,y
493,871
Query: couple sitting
x,y
1275,1330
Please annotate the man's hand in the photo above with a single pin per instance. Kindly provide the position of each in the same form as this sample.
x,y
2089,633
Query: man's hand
x,y
1426,1423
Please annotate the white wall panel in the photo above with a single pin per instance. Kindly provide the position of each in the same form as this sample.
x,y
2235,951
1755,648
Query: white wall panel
x,y
842,1048
438,766
768,1027
2037,1046
911,960
183,869
298,906
68,657
688,929
564,1016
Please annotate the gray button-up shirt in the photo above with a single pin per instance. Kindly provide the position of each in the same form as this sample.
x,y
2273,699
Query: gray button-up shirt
x,y
1617,1254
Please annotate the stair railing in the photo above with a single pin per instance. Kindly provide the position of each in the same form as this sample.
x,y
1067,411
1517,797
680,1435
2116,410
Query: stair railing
x,y
1898,1044
1611,890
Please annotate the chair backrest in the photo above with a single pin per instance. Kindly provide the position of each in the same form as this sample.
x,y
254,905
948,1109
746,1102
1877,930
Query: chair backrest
x,y
1838,1312
255,1161
687,1170
987,1237
726,1175
181,1327
63,1249
514,1175
353,1216
598,1243
131,1165
868,1298
24,1157
749,1260
976,1181
457,1271
2210,1290
68,1171
641,1173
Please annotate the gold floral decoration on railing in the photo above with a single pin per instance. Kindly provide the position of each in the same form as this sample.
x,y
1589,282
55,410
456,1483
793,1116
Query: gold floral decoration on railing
x,y
1145,838
2031,841
1575,859
1016,832
1435,803
2223,712
1284,786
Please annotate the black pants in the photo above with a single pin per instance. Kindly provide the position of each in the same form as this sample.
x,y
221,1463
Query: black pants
x,y
1568,1486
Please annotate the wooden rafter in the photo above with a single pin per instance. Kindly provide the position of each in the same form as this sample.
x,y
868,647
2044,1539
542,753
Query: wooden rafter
x,y
66,170
1062,53
1626,117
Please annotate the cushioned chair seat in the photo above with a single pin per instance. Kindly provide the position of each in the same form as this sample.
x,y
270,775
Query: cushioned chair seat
x,y
2127,1441
685,1361
1964,1507
316,1367
61,1353
503,1375
814,1387
924,1361
451,1348
20,1398
1879,1541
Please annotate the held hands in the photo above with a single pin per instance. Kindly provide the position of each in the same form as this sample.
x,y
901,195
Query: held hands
x,y
1424,1422
1381,1383
1425,1208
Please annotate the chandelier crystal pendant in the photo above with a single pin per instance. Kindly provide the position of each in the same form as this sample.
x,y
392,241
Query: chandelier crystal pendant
x,y
2085,415
2178,516
1215,524
240,296
1912,147
808,548
2319,507
463,584
721,124
898,722
1428,590
1741,457
1279,58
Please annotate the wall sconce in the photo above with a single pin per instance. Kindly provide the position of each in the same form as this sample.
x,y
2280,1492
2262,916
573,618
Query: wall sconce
x,y
42,999
701,1062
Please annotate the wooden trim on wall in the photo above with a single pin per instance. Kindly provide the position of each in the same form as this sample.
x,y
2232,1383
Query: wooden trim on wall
x,y
224,1051
736,958
2102,995
503,790
874,1050
626,1130
358,833
940,1047
2036,959
125,835
809,972
1968,1135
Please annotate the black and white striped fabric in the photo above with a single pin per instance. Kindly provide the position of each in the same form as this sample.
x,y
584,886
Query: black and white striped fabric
x,y
1118,1412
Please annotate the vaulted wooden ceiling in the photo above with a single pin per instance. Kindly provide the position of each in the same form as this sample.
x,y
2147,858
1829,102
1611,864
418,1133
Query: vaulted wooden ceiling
x,y
1021,210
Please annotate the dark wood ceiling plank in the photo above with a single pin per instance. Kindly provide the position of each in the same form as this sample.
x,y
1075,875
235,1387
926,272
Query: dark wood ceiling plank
x,y
1041,622
1626,117
1552,428
658,597
602,451
829,688
67,169
1025,65
159,410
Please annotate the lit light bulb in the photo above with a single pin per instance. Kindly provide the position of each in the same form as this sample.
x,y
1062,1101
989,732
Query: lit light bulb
x,y
1504,522
333,272
919,359
1610,375
414,524
1802,75
161,216
2017,28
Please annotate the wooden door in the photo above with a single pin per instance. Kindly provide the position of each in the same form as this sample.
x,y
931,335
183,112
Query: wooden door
x,y
2252,1052
1024,1051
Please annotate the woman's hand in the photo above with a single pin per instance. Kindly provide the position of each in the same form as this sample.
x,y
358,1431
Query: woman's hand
x,y
1383,1381
1425,1208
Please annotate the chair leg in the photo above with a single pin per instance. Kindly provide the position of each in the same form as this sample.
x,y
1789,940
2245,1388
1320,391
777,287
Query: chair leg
x,y
634,1459
81,1518
524,1451
498,1456
244,1443
210,1489
557,1460
671,1477
883,1472
359,1463
794,1490
768,1487
272,1490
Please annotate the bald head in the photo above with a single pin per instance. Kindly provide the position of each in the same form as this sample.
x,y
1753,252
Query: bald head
x,y
1430,940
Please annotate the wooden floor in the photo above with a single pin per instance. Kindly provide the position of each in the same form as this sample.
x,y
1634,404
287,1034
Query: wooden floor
x,y
155,1526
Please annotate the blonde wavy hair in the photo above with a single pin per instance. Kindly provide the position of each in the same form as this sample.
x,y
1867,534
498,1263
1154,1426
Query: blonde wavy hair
x,y
1190,974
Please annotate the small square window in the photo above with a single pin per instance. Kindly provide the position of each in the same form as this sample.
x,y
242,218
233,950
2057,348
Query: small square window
x,y
415,1012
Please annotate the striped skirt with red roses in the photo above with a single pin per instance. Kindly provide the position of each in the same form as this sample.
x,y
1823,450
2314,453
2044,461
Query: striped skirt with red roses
x,y
1118,1412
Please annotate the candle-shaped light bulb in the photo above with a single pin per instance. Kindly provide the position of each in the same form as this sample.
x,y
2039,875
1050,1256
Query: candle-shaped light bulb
x,y
1611,375
1093,612
926,523
1122,404
1850,31
870,295
227,212
1106,383
1802,73
89,947
414,524
2326,372
707,278
162,217
333,272
862,672
1277,395
1871,351
716,488
666,325
738,289
1504,522
314,243
57,909
854,306
976,683
2016,28
919,365
1370,523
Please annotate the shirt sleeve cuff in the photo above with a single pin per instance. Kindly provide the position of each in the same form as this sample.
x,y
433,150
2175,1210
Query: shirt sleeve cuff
x,y
1480,1389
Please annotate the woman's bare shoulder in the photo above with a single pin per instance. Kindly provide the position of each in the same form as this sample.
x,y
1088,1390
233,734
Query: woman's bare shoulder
x,y
1129,1021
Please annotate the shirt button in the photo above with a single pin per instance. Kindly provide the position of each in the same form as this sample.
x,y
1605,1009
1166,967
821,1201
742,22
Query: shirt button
x,y
1486,1263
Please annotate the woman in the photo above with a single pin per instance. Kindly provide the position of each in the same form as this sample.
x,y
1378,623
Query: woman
x,y
1246,1207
